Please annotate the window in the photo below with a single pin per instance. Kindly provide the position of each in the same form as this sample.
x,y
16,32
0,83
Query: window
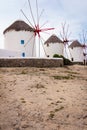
x,y
72,59
22,41
23,54
47,44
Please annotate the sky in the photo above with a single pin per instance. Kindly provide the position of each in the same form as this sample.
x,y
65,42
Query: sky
x,y
55,13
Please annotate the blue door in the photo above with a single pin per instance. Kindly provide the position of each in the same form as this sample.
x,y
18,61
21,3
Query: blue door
x,y
23,54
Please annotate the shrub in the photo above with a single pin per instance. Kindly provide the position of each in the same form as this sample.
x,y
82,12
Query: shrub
x,y
65,60
56,56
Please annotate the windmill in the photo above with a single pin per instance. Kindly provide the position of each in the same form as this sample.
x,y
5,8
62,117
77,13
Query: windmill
x,y
83,39
38,29
65,34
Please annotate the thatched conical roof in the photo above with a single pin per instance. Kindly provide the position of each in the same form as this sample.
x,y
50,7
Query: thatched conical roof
x,y
53,39
75,43
18,26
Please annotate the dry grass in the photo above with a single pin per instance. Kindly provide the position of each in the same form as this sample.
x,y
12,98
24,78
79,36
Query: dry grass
x,y
43,98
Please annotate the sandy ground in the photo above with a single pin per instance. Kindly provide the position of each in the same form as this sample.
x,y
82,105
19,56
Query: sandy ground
x,y
43,98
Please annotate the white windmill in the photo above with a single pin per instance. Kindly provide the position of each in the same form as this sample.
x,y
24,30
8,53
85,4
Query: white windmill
x,y
38,29
65,34
83,39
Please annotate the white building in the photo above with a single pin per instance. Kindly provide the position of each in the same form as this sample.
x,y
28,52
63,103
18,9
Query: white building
x,y
8,53
53,45
76,50
19,37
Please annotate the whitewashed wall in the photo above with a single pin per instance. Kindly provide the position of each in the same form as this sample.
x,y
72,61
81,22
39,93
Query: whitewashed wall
x,y
54,48
77,54
12,41
7,53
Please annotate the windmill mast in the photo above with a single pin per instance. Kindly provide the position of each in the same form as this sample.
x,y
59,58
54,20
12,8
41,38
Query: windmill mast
x,y
65,34
83,39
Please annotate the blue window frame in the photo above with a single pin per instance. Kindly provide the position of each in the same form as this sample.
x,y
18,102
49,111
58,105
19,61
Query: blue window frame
x,y
23,54
22,41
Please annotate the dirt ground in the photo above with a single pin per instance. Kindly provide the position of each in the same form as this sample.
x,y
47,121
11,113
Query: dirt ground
x,y
43,98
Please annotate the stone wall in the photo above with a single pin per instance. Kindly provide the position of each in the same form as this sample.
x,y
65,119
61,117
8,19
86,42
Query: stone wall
x,y
31,62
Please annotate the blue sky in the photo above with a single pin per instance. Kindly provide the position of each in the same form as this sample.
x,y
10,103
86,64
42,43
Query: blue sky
x,y
55,12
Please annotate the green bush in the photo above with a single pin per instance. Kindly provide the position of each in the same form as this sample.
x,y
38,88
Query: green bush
x,y
65,60
56,56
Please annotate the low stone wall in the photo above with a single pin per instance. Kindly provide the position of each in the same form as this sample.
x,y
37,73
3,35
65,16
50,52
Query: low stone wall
x,y
31,62
79,63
